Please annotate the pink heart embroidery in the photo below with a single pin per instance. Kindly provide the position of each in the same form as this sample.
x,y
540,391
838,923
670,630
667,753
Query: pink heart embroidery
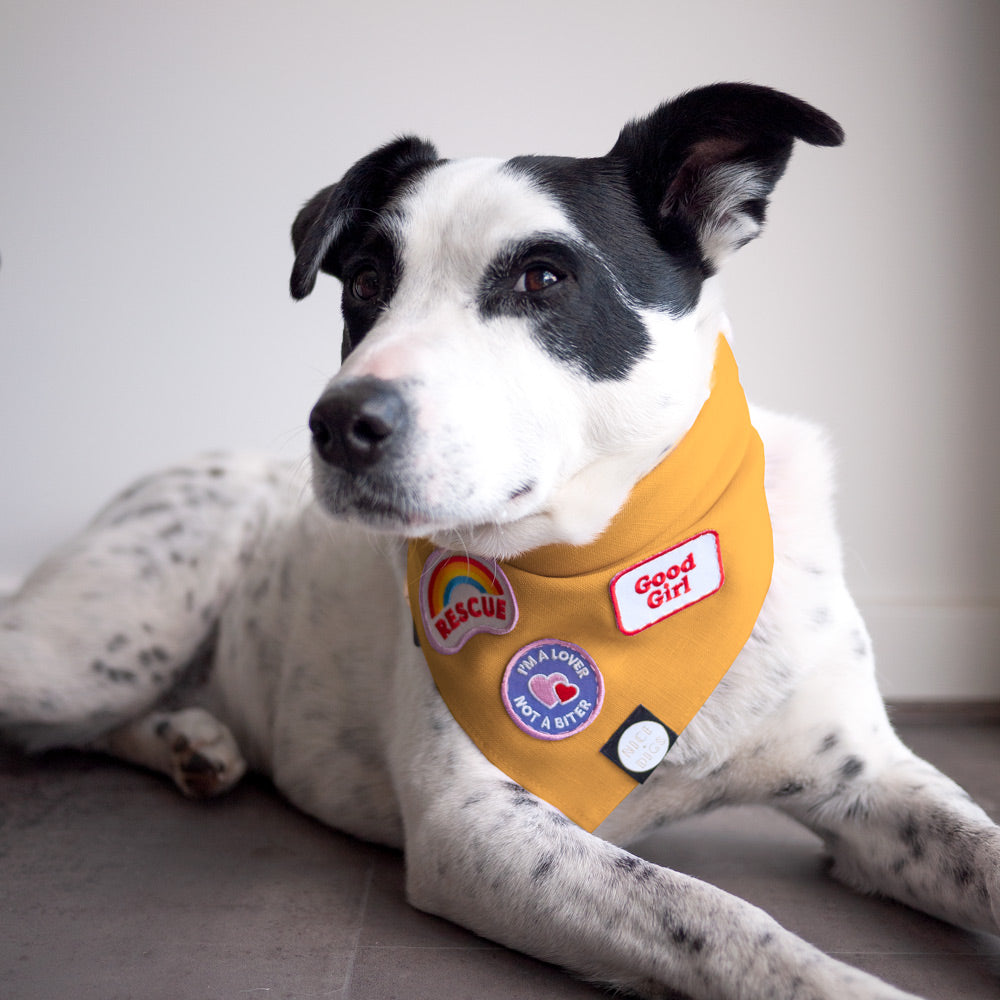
x,y
552,690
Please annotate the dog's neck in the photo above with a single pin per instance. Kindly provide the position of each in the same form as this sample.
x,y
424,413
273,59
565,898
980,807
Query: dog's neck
x,y
578,512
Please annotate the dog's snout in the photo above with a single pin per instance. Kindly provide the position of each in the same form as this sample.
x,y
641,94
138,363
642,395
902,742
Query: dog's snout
x,y
354,424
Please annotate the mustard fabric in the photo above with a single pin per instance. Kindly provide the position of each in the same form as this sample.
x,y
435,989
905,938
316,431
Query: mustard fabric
x,y
713,480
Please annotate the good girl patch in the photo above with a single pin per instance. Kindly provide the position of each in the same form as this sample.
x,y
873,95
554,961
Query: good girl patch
x,y
552,689
666,583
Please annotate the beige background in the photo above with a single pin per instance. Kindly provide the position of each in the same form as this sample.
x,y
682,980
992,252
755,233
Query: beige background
x,y
153,155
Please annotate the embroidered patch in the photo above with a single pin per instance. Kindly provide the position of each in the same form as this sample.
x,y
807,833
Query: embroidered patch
x,y
667,583
639,744
552,689
461,596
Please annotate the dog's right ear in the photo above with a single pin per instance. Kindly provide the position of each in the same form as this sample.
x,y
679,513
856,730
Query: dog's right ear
x,y
701,167
328,220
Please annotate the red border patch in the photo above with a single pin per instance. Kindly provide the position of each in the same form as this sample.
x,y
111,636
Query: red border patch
x,y
670,581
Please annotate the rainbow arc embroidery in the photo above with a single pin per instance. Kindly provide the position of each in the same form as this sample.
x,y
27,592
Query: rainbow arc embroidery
x,y
574,669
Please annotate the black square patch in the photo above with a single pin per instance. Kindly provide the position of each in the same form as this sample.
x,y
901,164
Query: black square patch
x,y
639,744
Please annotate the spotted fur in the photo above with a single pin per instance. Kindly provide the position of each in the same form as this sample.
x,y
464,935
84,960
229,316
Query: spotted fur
x,y
523,340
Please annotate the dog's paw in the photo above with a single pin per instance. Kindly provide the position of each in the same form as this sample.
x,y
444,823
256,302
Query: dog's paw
x,y
204,757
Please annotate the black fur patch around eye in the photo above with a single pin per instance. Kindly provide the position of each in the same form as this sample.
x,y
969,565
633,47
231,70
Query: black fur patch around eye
x,y
590,323
597,198
581,320
376,251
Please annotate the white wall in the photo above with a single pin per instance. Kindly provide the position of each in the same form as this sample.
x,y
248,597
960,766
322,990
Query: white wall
x,y
153,155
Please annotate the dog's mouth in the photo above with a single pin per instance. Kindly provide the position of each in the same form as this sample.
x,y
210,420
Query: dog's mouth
x,y
390,503
387,505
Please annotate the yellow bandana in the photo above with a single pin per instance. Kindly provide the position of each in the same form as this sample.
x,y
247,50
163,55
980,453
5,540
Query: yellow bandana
x,y
574,668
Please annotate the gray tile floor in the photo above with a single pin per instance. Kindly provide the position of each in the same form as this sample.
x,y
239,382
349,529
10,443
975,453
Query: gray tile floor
x,y
113,887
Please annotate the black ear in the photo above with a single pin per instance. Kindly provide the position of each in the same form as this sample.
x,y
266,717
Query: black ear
x,y
702,166
329,218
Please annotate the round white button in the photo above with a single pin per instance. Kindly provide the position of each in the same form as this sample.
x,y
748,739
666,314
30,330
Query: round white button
x,y
643,745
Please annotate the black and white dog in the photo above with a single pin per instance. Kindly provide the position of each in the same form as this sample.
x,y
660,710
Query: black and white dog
x,y
524,341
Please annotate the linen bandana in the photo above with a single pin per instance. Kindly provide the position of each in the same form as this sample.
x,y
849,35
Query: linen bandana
x,y
575,668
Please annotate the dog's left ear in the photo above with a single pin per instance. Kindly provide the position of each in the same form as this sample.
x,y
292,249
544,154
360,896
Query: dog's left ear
x,y
330,218
702,166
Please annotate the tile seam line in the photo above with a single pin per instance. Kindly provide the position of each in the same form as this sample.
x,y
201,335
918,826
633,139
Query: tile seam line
x,y
348,983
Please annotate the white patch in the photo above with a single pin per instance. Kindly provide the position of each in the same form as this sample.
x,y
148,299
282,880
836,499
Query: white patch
x,y
643,745
667,583
725,225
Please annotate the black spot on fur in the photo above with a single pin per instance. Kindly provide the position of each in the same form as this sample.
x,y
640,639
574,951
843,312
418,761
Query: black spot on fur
x,y
852,767
117,642
155,654
790,788
829,742
912,836
633,867
544,868
690,942
521,796
859,644
963,875
117,675
627,862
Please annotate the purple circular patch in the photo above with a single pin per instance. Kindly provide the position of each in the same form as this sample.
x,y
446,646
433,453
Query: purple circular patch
x,y
552,689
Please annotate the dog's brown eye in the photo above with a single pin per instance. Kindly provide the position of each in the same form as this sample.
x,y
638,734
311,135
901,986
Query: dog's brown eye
x,y
537,279
366,285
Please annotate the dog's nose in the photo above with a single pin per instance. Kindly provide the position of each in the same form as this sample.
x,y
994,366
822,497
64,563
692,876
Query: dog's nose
x,y
354,424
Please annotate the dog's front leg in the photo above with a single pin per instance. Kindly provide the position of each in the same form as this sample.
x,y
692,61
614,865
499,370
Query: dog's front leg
x,y
488,855
895,825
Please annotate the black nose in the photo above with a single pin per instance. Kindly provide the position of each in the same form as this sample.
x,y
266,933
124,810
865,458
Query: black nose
x,y
353,425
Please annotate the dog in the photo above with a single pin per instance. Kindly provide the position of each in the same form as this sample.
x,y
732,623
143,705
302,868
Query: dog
x,y
535,359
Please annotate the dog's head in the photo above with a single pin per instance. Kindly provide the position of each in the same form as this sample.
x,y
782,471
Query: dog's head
x,y
525,338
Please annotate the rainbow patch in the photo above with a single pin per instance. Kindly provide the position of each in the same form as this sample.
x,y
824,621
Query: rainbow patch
x,y
461,596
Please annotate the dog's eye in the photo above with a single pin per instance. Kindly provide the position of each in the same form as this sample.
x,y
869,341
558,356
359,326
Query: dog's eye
x,y
366,285
537,279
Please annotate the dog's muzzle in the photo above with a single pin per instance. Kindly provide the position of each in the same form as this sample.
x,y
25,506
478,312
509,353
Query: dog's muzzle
x,y
358,424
